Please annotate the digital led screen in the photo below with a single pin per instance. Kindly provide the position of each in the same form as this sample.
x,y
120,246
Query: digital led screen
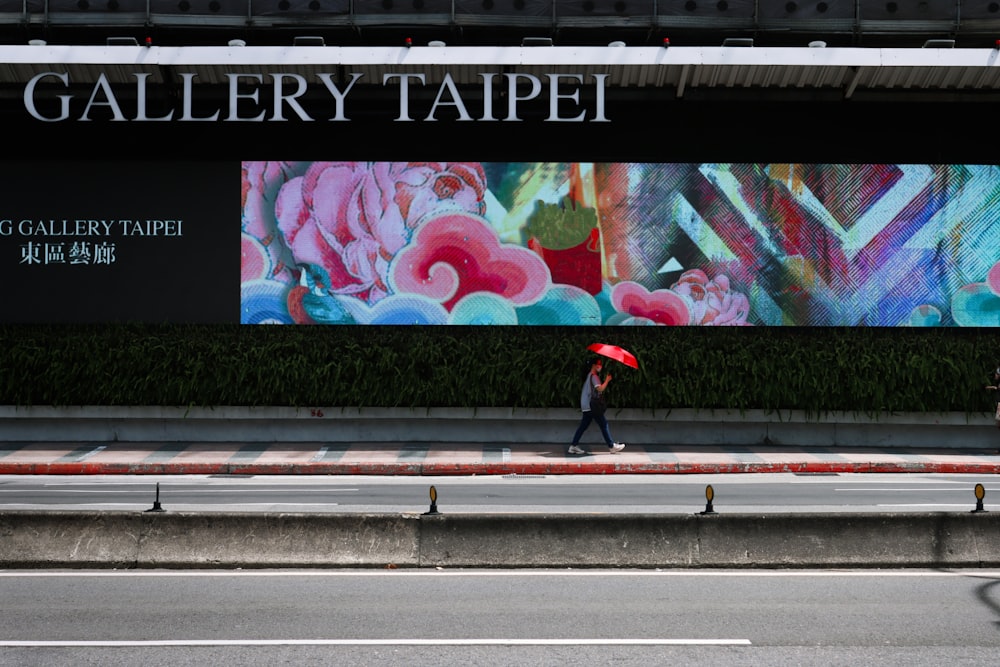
x,y
674,244
99,241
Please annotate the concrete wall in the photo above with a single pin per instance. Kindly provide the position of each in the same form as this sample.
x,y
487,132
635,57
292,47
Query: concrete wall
x,y
488,425
52,539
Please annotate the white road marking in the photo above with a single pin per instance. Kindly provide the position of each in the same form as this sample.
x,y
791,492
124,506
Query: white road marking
x,y
957,489
381,642
410,572
202,490
969,504
177,507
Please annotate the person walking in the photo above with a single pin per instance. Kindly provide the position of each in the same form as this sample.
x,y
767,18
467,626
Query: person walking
x,y
592,385
995,388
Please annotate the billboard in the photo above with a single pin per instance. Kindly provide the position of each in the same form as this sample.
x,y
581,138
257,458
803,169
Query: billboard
x,y
501,243
632,244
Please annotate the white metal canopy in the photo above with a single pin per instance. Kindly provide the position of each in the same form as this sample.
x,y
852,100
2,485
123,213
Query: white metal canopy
x,y
677,69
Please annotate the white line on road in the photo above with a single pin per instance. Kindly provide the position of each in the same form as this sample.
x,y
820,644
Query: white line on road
x,y
695,572
201,490
383,642
963,489
969,504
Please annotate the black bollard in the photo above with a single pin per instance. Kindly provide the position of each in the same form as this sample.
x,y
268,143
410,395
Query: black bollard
x,y
709,495
980,493
156,503
434,504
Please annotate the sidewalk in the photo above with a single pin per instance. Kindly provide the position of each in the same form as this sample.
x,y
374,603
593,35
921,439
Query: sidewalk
x,y
436,459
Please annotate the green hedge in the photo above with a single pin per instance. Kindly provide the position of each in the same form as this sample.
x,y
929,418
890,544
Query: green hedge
x,y
865,370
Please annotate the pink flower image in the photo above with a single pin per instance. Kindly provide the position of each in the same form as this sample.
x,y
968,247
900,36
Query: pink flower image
x,y
978,304
712,302
456,254
255,263
261,182
661,306
993,279
924,315
351,218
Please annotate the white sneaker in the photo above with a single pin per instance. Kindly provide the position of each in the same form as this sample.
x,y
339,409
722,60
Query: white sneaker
x,y
573,449
617,447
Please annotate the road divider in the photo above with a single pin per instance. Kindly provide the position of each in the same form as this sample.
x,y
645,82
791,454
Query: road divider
x,y
74,539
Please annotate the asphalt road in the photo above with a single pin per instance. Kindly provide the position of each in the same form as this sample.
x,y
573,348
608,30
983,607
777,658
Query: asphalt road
x,y
491,618
785,492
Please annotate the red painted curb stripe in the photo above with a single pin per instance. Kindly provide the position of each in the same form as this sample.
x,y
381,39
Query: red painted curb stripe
x,y
455,469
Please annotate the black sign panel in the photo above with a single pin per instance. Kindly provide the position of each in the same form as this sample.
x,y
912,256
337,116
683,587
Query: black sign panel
x,y
103,241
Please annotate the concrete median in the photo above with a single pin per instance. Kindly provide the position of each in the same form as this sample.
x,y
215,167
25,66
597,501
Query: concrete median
x,y
56,539
205,540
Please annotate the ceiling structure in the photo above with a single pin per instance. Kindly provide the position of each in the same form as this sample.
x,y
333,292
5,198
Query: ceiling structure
x,y
678,72
868,23
816,49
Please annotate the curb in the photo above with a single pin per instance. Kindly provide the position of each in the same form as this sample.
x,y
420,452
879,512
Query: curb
x,y
470,469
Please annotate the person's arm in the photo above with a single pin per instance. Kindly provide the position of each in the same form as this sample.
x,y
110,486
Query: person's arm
x,y
601,387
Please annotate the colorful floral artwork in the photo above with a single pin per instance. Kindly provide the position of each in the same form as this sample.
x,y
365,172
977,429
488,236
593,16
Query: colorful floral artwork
x,y
630,244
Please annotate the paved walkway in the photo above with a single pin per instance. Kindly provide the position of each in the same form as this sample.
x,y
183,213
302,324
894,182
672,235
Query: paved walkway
x,y
317,458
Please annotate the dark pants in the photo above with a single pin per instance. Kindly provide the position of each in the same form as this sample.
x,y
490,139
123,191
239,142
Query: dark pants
x,y
585,423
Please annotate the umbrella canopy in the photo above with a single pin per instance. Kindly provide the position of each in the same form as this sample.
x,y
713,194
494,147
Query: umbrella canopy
x,y
616,353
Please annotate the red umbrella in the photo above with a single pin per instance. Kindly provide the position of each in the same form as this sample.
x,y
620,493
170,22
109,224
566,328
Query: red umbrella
x,y
614,352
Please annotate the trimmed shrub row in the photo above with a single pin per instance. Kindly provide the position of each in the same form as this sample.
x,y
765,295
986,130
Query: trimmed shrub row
x,y
862,370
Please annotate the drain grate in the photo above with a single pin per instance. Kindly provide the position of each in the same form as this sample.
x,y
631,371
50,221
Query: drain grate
x,y
816,474
516,476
